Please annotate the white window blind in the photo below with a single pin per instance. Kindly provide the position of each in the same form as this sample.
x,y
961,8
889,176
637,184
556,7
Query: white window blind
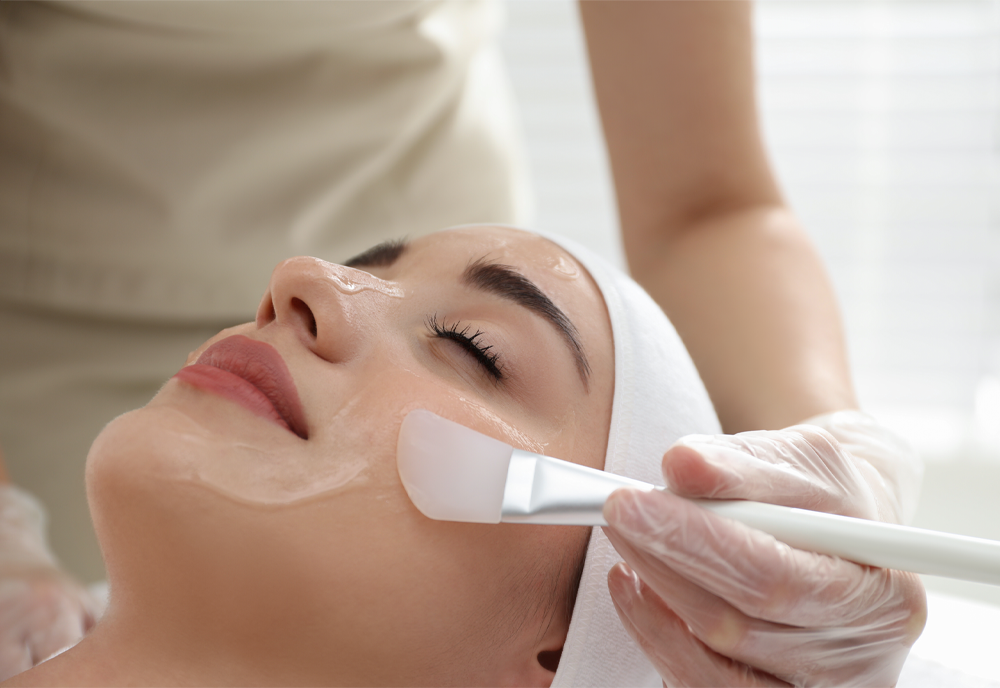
x,y
882,122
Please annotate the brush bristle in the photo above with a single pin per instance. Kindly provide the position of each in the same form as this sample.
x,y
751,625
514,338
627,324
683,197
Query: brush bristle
x,y
450,472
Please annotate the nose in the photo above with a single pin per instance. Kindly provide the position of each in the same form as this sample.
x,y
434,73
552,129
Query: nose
x,y
328,306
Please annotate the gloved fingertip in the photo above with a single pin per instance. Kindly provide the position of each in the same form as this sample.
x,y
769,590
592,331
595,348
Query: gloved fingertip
x,y
645,518
624,511
700,466
623,583
686,471
14,659
614,508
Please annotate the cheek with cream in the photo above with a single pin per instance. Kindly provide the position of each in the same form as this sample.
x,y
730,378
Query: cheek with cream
x,y
185,439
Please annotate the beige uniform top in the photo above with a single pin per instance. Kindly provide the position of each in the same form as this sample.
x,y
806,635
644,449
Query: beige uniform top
x,y
157,159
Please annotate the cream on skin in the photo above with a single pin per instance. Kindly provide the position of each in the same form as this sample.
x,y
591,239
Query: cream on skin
x,y
241,552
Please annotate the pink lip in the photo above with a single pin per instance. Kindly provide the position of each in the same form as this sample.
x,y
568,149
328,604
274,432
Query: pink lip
x,y
252,374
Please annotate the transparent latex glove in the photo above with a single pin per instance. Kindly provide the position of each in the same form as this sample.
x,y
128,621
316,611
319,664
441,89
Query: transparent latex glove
x,y
713,602
42,609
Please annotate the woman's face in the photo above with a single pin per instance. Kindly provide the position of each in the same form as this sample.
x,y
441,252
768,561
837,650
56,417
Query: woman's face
x,y
266,469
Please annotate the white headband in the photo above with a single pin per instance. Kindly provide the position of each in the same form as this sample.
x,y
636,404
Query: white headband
x,y
658,398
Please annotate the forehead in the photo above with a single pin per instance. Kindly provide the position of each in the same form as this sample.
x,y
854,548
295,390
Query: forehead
x,y
502,243
555,271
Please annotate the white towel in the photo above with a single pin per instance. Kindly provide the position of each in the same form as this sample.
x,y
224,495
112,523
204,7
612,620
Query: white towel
x,y
658,398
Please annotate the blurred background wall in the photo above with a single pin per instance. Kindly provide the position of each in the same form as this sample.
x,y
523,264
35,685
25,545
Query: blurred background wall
x,y
882,121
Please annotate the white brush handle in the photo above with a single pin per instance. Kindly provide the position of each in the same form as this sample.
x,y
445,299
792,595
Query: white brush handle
x,y
540,489
885,545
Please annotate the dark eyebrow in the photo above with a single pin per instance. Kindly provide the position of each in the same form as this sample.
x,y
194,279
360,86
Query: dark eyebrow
x,y
505,282
380,255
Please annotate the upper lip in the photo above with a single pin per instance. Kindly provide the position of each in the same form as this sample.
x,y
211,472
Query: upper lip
x,y
261,365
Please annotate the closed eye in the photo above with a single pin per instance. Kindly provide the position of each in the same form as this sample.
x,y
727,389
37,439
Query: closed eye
x,y
470,340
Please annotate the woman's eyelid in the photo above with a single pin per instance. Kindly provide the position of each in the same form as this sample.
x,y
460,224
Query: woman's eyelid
x,y
475,341
472,340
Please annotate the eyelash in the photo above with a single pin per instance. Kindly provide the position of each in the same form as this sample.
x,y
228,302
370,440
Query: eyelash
x,y
483,353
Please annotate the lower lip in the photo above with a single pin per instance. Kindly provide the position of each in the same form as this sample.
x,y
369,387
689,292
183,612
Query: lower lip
x,y
232,387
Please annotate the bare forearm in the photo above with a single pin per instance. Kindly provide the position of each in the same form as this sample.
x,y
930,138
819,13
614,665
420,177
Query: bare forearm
x,y
751,300
705,227
675,87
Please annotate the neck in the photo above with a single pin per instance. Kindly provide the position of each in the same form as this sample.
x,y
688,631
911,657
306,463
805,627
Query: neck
x,y
126,651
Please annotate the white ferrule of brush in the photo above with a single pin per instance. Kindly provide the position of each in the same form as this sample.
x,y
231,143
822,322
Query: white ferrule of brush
x,y
453,473
540,489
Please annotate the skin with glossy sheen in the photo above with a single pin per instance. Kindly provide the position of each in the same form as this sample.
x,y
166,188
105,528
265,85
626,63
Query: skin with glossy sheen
x,y
240,552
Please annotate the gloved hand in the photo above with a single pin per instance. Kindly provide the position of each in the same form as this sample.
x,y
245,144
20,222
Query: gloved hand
x,y
713,602
42,609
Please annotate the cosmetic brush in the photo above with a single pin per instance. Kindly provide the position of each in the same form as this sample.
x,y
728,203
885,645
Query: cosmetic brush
x,y
453,473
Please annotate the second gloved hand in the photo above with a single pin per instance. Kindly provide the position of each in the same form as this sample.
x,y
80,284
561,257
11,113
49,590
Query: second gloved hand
x,y
42,610
714,602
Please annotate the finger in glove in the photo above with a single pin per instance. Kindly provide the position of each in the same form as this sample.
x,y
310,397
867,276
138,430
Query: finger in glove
x,y
759,601
802,466
678,656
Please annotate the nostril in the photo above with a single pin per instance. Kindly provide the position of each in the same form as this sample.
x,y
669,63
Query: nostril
x,y
301,309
